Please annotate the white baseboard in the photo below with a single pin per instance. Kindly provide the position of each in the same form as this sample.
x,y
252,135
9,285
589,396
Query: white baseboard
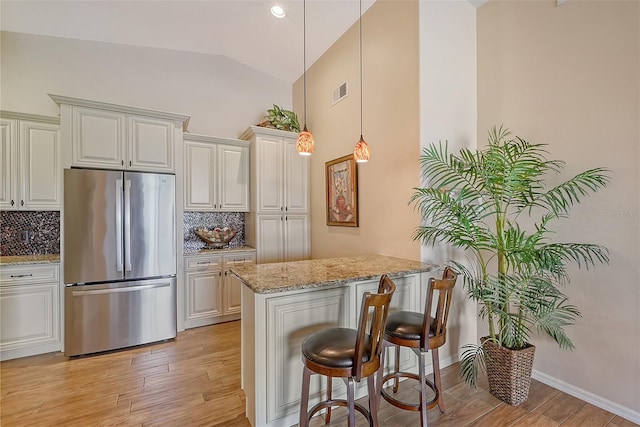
x,y
600,402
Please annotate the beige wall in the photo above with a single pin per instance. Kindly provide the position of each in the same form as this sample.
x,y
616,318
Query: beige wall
x,y
569,76
223,97
448,112
390,126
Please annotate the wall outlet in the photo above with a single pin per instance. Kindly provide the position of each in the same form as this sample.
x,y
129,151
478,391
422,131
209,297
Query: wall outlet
x,y
24,236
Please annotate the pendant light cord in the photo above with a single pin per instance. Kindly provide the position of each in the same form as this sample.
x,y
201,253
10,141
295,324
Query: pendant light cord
x,y
304,57
360,69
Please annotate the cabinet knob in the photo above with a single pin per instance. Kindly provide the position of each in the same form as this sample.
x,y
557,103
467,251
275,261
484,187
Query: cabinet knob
x,y
12,203
130,163
21,202
122,162
286,208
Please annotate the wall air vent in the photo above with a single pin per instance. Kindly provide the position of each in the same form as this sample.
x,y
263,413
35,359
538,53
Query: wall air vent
x,y
339,93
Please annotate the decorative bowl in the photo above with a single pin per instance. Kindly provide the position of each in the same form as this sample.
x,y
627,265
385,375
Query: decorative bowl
x,y
217,237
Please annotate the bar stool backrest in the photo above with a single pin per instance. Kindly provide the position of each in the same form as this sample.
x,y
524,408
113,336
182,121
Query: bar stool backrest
x,y
373,313
434,329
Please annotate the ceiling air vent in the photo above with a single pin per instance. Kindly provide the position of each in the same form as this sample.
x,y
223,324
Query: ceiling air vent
x,y
339,93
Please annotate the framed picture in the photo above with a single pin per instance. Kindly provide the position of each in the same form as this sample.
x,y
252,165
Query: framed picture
x,y
342,191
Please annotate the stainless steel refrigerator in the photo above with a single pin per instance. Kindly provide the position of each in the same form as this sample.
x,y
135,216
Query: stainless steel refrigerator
x,y
119,259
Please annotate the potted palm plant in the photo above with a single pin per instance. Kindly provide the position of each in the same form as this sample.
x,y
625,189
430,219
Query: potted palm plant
x,y
486,203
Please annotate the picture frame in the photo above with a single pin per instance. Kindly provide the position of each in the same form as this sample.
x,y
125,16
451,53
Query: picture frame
x,y
342,191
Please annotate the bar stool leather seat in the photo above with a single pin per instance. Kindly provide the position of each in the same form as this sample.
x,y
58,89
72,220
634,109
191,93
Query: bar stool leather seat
x,y
334,348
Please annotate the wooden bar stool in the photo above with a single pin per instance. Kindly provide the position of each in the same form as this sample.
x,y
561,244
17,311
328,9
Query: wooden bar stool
x,y
349,354
421,333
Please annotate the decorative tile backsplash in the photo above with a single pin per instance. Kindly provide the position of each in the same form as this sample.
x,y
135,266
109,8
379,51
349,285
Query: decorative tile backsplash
x,y
195,220
43,229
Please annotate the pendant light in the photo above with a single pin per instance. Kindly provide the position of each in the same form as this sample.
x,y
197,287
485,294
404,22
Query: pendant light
x,y
361,152
305,143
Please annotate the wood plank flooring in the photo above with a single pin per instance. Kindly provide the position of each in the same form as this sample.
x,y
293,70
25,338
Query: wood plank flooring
x,y
195,380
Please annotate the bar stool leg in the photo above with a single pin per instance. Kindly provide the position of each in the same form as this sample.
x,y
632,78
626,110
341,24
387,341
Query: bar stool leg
x,y
436,378
397,369
351,402
304,400
327,418
423,388
373,398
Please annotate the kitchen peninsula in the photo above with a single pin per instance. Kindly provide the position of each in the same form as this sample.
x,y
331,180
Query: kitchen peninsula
x,y
282,303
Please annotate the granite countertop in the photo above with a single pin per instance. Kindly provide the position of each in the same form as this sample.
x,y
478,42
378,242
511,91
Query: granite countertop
x,y
221,251
29,259
289,276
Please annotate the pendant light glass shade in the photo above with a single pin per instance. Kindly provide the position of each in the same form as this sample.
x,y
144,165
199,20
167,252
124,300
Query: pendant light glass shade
x,y
361,152
305,142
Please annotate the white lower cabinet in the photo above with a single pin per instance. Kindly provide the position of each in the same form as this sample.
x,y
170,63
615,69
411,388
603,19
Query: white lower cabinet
x,y
211,297
29,310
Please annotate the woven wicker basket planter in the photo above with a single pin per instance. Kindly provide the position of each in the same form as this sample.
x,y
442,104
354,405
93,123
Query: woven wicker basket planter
x,y
508,371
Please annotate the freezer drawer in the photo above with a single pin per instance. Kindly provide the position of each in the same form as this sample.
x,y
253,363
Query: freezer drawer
x,y
109,316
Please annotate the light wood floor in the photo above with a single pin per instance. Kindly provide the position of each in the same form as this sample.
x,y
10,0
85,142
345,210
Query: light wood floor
x,y
195,380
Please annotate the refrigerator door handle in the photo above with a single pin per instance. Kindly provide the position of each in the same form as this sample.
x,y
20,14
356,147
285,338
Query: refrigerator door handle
x,y
118,290
127,224
119,261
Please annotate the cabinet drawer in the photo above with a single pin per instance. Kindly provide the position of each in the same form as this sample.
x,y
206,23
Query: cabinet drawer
x,y
239,258
203,262
32,273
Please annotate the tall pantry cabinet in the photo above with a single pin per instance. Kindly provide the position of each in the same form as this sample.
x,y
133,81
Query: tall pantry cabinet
x,y
278,223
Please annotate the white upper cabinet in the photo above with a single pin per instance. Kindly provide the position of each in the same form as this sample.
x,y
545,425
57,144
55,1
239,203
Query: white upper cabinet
x,y
280,174
31,176
98,138
109,136
151,144
216,174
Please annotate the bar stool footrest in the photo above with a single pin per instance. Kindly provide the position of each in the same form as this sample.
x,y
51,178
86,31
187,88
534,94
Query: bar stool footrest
x,y
404,405
338,402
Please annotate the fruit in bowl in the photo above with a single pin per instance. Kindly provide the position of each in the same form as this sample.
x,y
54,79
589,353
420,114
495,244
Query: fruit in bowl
x,y
217,237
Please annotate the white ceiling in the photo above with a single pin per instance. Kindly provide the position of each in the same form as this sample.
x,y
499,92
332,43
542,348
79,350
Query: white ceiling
x,y
243,30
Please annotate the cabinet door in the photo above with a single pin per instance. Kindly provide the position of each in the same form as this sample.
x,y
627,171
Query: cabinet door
x,y
204,297
270,242
290,319
296,180
233,177
269,182
29,319
150,144
233,288
296,236
232,295
8,161
40,169
200,182
98,138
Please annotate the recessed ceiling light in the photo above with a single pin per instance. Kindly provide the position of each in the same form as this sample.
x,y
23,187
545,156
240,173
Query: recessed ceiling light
x,y
277,11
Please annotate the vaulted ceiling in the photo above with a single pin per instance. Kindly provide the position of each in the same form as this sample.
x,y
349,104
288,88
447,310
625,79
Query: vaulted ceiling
x,y
243,30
